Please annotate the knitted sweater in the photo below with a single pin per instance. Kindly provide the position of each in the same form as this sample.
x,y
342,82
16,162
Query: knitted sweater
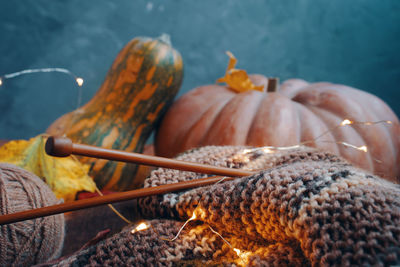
x,y
303,207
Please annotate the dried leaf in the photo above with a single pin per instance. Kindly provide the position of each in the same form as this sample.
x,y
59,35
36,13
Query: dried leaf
x,y
236,79
65,176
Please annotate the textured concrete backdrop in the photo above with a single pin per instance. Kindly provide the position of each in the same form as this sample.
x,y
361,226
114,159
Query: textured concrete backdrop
x,y
350,42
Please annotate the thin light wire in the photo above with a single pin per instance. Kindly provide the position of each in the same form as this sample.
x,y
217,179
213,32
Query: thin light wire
x,y
238,252
114,209
79,81
28,71
180,229
226,241
347,122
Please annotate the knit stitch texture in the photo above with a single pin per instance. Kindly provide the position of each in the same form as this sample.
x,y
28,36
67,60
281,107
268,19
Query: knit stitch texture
x,y
303,207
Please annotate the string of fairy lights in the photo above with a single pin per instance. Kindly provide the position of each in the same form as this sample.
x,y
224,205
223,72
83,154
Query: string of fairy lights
x,y
345,122
197,213
77,79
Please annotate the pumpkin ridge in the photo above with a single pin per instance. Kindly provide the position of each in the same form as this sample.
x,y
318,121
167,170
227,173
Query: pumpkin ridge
x,y
253,120
238,102
174,134
299,121
304,109
327,128
200,118
293,87
205,117
277,112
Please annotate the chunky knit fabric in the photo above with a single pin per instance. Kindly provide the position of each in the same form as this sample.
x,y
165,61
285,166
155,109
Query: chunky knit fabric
x,y
303,207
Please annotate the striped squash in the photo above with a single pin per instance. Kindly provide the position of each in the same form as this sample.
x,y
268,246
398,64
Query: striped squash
x,y
140,85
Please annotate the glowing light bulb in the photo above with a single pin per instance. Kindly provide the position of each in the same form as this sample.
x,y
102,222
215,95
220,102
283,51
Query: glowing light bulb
x,y
238,252
79,81
140,227
193,217
346,122
363,148
244,255
267,150
245,151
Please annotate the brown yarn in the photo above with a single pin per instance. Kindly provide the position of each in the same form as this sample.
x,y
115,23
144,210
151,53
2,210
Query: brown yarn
x,y
305,207
33,241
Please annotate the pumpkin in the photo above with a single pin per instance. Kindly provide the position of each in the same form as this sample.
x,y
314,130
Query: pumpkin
x,y
140,85
297,112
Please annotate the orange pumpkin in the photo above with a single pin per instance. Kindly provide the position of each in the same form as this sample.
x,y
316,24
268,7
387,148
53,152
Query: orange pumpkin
x,y
298,112
139,87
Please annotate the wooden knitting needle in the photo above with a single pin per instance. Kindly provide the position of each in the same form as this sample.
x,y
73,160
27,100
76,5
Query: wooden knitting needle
x,y
107,199
63,147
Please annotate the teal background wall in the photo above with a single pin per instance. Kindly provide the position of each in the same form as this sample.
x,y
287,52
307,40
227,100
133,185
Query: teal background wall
x,y
353,42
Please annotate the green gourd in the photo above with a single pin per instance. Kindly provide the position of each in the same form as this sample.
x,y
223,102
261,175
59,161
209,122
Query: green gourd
x,y
140,85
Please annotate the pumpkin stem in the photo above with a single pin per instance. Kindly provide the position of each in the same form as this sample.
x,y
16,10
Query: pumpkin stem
x,y
165,38
273,85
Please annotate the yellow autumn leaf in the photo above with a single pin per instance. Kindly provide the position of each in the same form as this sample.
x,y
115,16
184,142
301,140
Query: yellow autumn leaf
x,y
236,79
65,176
